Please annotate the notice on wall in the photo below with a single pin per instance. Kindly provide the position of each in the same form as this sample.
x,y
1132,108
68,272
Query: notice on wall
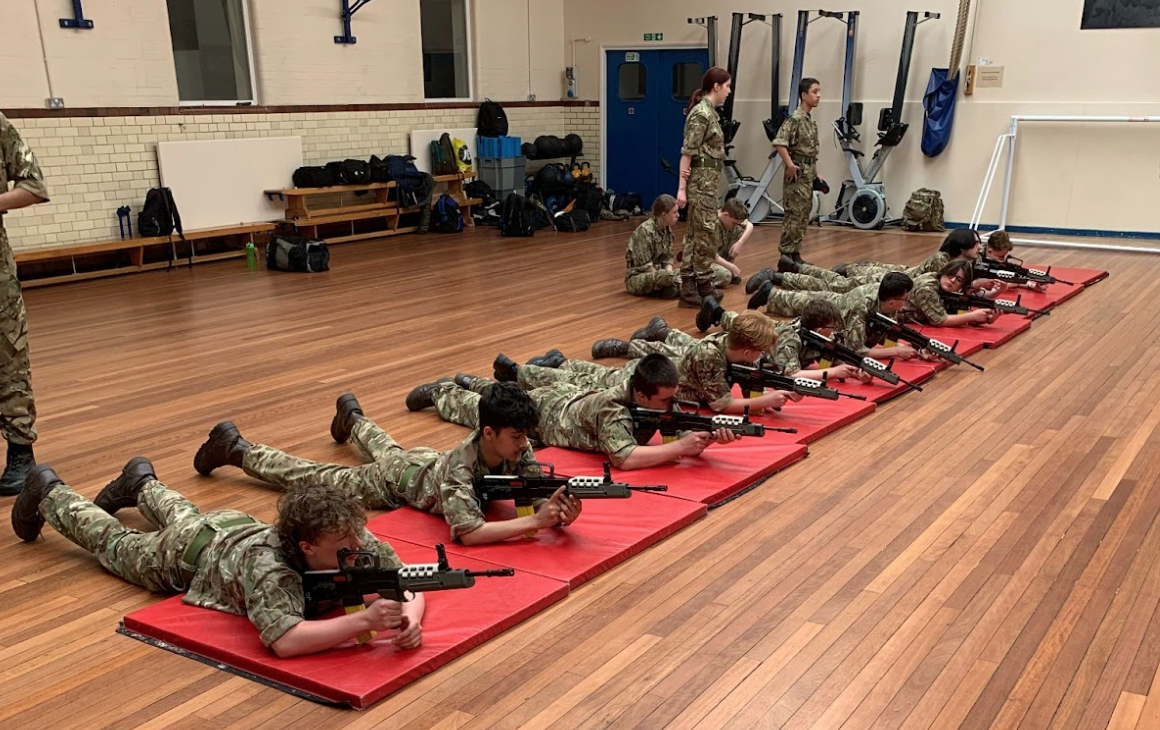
x,y
990,77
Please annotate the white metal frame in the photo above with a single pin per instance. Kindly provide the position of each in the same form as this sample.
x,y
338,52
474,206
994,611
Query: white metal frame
x,y
604,91
469,29
249,59
1007,142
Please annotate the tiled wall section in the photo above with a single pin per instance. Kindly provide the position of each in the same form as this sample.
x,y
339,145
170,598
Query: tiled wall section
x,y
94,165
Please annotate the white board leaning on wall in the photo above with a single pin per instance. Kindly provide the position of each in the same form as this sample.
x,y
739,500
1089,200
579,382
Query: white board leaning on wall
x,y
220,182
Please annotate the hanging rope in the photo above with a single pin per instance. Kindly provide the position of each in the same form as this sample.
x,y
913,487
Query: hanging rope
x,y
960,38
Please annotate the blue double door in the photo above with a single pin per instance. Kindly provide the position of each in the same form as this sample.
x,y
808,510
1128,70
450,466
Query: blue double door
x,y
646,92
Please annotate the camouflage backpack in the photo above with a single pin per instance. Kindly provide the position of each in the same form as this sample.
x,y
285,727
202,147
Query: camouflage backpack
x,y
924,211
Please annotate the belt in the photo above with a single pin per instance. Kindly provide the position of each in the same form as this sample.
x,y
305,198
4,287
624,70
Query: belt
x,y
711,163
203,538
804,160
407,475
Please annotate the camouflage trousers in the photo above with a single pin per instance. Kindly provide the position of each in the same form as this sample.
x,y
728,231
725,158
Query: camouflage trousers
x,y
798,198
872,270
459,405
153,560
676,344
577,372
651,283
784,303
17,405
376,483
700,246
814,278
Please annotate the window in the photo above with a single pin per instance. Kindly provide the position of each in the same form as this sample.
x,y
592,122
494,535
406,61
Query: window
x,y
686,79
631,81
445,49
211,50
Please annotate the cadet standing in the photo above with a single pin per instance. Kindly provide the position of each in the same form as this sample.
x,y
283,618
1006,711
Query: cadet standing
x,y
797,144
702,155
17,407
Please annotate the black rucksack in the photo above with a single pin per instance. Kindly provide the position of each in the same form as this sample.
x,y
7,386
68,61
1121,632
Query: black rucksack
x,y
446,216
553,179
443,156
515,219
159,216
295,253
492,121
574,221
378,170
481,190
313,177
589,199
355,172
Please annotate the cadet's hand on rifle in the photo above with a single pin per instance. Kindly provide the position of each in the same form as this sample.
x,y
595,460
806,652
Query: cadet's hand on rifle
x,y
551,513
724,436
570,507
795,397
383,615
863,376
1038,286
694,442
774,399
841,372
410,635
982,316
927,355
905,352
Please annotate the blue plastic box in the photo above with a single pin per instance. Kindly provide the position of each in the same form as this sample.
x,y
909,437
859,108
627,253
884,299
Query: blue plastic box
x,y
494,147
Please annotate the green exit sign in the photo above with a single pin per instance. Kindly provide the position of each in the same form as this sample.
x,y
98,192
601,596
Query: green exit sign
x,y
654,36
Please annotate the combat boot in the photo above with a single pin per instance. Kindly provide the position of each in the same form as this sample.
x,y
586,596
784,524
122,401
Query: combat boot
x,y
121,493
20,460
347,412
706,289
688,296
842,270
787,264
551,359
609,348
656,330
797,257
709,315
761,298
224,447
423,396
505,369
758,279
463,380
27,522
669,292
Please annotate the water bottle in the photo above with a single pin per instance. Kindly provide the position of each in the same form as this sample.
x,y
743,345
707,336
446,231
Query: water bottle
x,y
251,257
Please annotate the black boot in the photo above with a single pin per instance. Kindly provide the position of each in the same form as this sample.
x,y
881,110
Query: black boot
x,y
761,298
550,359
224,447
20,460
656,330
505,369
347,412
758,279
609,348
463,380
27,521
687,294
797,257
787,264
423,396
669,292
121,493
709,315
841,269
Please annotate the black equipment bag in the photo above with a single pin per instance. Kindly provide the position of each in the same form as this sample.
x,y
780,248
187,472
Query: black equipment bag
x,y
573,145
378,170
355,172
313,177
296,253
160,217
528,150
492,120
574,221
590,199
481,190
549,146
515,218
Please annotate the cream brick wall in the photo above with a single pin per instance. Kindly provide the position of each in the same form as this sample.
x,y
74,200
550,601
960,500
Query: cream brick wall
x,y
95,165
585,121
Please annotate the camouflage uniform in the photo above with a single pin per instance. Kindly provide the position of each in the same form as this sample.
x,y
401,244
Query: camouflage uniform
x,y
585,374
426,479
799,135
703,374
705,143
17,406
242,570
726,237
815,278
649,251
924,305
855,307
788,353
570,416
930,265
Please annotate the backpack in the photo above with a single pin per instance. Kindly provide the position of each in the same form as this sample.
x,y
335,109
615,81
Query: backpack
x,y
574,221
313,177
462,156
355,172
492,121
295,253
589,199
515,218
445,215
159,216
412,186
443,156
924,211
378,170
481,190
553,179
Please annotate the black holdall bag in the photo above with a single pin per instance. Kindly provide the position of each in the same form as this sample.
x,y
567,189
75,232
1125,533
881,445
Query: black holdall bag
x,y
492,120
296,253
355,172
313,177
574,221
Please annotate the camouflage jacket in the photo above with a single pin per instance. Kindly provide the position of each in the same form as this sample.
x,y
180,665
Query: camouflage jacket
x,y
18,166
589,420
649,249
703,135
726,237
799,135
924,305
789,353
245,571
704,374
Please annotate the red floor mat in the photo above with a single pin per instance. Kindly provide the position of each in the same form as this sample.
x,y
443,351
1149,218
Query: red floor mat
x,y
608,532
877,391
815,417
1002,330
455,622
1083,277
719,473
1056,294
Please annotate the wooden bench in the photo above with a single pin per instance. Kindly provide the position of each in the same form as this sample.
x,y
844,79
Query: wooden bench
x,y
304,216
139,251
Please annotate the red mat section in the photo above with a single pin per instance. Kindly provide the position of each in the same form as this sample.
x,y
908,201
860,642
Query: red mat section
x,y
877,391
815,417
1055,295
718,474
1083,277
608,532
455,621
1002,330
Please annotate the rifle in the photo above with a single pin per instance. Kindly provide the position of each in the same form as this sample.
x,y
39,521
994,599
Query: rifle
x,y
360,573
671,423
525,489
834,352
963,302
754,380
899,332
1015,266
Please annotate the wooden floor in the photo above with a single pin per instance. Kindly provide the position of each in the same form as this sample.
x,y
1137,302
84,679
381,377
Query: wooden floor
x,y
980,555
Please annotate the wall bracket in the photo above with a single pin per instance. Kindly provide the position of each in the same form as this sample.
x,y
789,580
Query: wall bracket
x,y
347,12
78,21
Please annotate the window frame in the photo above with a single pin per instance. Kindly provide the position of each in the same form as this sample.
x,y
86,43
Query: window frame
x,y
620,83
253,101
686,63
469,30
